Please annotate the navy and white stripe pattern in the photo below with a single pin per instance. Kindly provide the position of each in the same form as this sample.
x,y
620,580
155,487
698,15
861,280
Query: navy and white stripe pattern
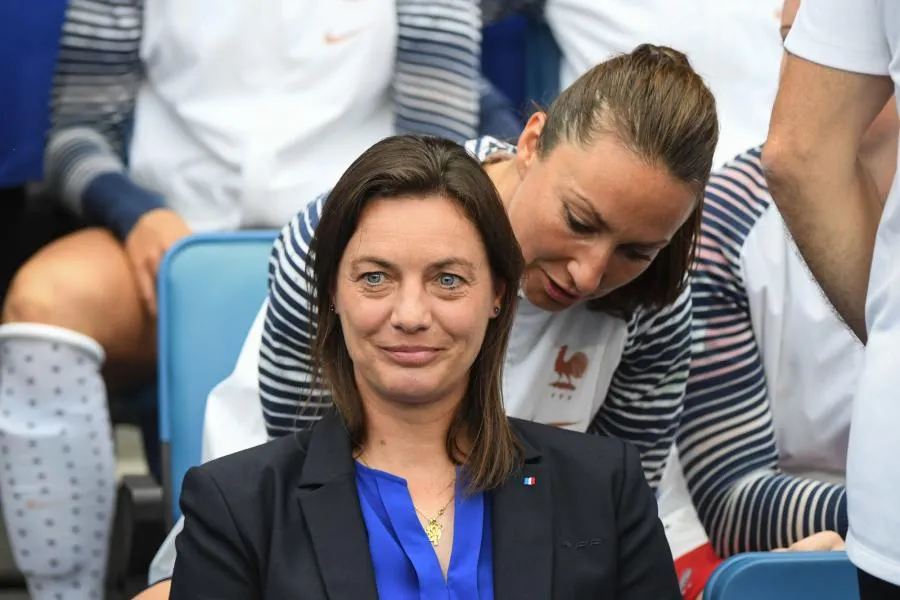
x,y
645,399
727,436
437,82
438,60
290,400
97,76
642,406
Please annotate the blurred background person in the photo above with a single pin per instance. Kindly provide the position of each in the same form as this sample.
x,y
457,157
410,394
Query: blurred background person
x,y
841,69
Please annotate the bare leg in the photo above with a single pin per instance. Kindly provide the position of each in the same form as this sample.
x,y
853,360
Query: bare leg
x,y
160,591
71,309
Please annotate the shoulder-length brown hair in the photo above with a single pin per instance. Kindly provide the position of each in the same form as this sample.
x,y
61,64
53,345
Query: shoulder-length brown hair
x,y
660,108
479,437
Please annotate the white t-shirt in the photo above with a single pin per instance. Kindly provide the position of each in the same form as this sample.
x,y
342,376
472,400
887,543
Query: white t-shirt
x,y
863,36
249,109
733,44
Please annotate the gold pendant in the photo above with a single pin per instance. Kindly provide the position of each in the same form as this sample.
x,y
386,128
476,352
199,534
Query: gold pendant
x,y
434,530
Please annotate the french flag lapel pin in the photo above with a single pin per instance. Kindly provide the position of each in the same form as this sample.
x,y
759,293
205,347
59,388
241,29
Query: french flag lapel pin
x,y
529,480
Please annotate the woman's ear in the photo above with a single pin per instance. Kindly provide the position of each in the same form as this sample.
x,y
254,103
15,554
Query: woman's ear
x,y
499,293
333,307
528,146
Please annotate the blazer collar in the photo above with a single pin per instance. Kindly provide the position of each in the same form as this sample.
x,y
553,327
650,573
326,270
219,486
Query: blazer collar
x,y
522,520
523,529
330,504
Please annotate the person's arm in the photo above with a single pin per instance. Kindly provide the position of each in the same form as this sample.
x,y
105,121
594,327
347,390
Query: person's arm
x,y
646,395
645,566
827,198
212,562
98,73
726,439
289,396
97,76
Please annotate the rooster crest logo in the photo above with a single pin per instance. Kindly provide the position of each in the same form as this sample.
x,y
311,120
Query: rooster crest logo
x,y
568,369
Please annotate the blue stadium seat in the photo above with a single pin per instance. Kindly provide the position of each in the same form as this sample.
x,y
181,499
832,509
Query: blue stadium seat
x,y
210,289
784,576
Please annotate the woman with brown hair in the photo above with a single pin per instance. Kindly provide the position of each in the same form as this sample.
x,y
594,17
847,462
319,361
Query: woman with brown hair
x,y
418,485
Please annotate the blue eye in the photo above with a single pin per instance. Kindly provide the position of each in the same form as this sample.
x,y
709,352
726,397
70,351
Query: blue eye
x,y
449,280
375,278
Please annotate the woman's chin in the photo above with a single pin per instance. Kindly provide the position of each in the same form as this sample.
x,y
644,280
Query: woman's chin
x,y
415,389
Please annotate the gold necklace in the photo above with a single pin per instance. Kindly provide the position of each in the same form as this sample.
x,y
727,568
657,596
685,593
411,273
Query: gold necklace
x,y
434,529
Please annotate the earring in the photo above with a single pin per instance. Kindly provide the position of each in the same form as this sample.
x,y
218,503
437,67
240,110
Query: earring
x,y
496,310
331,308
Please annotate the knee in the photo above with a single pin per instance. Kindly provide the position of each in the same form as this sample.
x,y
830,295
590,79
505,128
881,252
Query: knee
x,y
46,295
58,288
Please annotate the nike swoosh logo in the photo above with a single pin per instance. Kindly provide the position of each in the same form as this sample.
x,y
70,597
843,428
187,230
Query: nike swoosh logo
x,y
562,423
337,38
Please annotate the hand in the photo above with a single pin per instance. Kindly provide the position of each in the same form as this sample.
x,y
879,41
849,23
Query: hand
x,y
146,244
824,541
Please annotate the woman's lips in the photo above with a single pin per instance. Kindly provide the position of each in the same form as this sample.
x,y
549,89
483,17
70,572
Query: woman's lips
x,y
558,293
411,356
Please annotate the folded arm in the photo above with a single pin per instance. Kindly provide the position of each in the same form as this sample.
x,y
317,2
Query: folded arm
x,y
290,397
829,201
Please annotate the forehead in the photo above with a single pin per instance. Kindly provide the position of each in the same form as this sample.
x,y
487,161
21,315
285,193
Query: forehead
x,y
415,230
641,200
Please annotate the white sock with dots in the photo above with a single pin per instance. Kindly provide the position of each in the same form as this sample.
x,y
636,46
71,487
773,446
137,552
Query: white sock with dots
x,y
57,466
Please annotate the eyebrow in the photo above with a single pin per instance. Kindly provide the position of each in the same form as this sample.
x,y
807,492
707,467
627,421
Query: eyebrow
x,y
601,223
379,262
386,264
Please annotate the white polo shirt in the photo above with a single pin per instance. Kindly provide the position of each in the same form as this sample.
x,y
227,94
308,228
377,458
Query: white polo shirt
x,y
863,36
733,44
251,108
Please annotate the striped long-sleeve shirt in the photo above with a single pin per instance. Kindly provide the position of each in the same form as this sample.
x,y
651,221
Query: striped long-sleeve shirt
x,y
436,89
727,439
632,386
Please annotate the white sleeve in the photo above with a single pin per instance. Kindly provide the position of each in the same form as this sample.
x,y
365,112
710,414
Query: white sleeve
x,y
234,419
849,35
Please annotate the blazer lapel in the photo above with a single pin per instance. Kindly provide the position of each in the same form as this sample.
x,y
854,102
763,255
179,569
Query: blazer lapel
x,y
523,531
330,504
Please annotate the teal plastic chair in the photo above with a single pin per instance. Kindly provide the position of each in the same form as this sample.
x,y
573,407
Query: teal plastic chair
x,y
784,576
210,289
